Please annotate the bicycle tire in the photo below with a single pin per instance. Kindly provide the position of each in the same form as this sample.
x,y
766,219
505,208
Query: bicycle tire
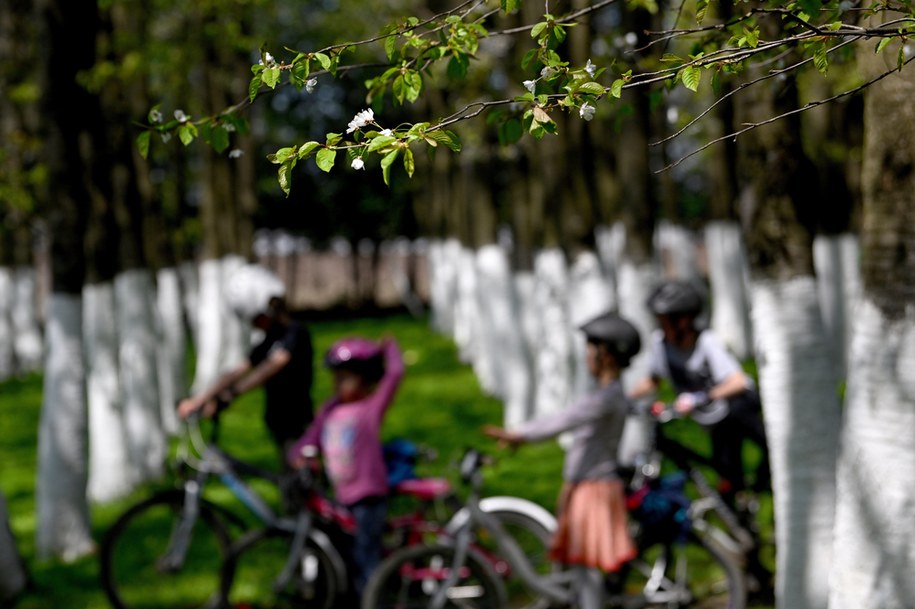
x,y
410,577
693,572
131,572
256,560
534,538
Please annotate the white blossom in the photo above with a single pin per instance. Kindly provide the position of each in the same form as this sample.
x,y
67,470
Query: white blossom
x,y
530,85
361,119
310,84
547,71
166,137
586,111
269,60
358,163
180,116
155,116
236,153
590,68
229,127
386,132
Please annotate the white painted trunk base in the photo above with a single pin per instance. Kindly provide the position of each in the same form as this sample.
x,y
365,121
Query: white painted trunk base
x,y
189,273
112,474
465,309
503,337
62,529
802,415
874,542
172,347
679,251
137,362
238,334
27,336
838,277
635,282
590,294
210,314
7,357
727,271
552,350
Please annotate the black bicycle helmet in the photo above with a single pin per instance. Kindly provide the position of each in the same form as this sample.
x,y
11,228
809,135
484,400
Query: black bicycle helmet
x,y
619,335
676,297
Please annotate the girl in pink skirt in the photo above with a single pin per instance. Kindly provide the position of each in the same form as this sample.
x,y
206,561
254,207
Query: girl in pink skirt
x,y
593,534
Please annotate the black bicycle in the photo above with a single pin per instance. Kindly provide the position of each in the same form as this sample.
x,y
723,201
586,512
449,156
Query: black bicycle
x,y
170,550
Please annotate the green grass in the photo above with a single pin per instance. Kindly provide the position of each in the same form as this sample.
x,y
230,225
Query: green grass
x,y
439,405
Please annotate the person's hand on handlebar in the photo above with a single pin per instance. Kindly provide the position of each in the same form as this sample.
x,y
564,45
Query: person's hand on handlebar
x,y
506,438
686,402
207,408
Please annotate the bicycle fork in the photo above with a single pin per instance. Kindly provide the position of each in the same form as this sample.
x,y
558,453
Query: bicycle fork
x,y
299,560
180,538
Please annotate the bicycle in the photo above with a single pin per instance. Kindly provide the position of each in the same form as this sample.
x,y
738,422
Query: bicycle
x,y
678,565
174,543
435,511
738,528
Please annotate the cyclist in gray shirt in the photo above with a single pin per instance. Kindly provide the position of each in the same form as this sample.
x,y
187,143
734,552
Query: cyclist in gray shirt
x,y
710,384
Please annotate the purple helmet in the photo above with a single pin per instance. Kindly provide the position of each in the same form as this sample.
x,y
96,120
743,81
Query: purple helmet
x,y
357,354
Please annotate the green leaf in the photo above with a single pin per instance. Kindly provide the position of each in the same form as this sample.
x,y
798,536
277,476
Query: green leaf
x,y
538,29
283,177
187,133
219,138
299,74
143,143
458,65
399,88
408,163
447,138
701,10
325,159
900,58
324,60
820,59
306,150
811,7
414,85
882,44
691,76
254,86
509,6
592,88
616,89
390,47
334,138
380,142
271,76
386,165
510,131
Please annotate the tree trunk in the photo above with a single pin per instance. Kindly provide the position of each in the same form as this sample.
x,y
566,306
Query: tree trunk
x,y
798,387
63,513
875,551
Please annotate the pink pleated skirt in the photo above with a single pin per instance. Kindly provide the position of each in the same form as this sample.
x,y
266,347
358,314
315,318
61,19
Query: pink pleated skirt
x,y
593,529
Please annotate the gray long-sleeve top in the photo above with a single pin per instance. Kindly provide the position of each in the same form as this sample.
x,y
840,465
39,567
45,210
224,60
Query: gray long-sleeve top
x,y
596,422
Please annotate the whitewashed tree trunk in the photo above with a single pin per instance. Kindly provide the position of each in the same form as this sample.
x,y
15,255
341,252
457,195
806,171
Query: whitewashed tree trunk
x,y
172,346
7,355
443,274
210,314
609,242
237,335
465,309
590,294
137,361
13,576
727,270
501,329
28,345
802,414
836,259
875,544
62,529
553,357
679,252
189,273
112,474
635,282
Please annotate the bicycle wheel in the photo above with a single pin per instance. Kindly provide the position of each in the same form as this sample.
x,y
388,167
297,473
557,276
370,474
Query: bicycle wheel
x,y
693,572
534,539
251,573
140,566
411,577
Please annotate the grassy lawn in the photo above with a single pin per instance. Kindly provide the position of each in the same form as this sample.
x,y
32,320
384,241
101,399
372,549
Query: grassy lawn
x,y
440,405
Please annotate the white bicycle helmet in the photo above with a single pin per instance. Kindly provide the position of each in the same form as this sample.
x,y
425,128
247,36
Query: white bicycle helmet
x,y
249,289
